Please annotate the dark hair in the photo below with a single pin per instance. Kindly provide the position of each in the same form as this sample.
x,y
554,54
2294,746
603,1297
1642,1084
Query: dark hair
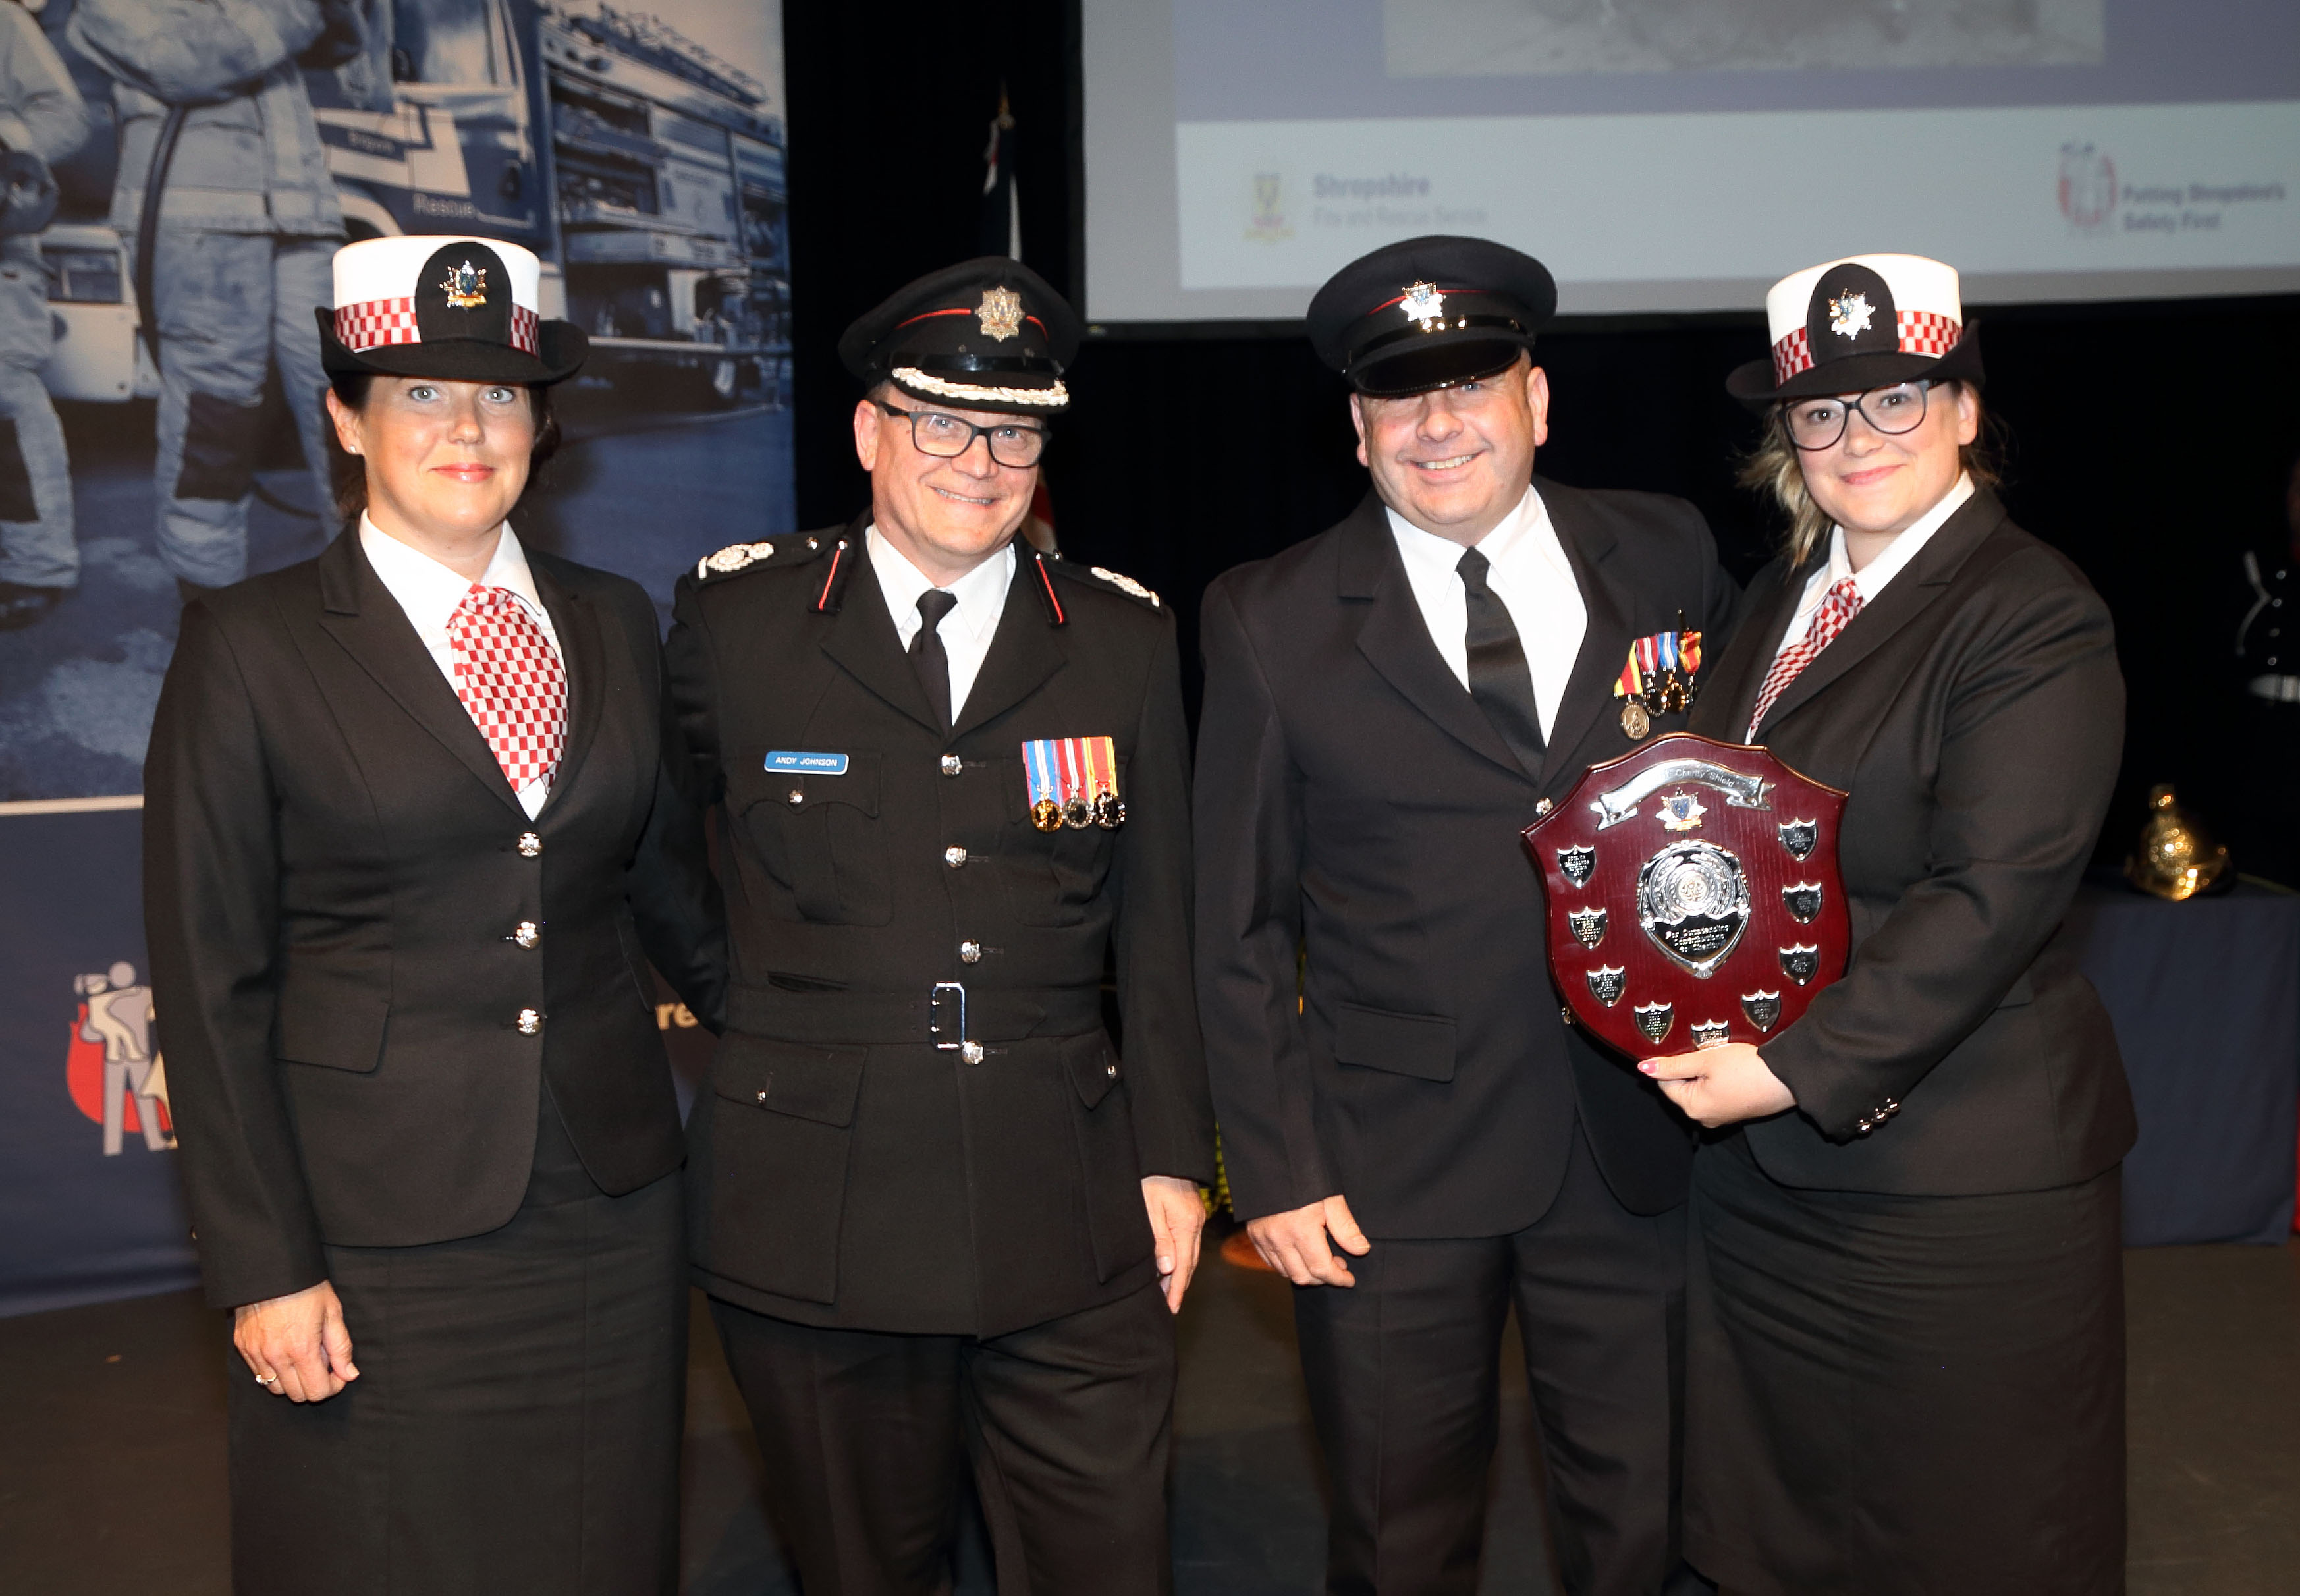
x,y
349,472
1776,469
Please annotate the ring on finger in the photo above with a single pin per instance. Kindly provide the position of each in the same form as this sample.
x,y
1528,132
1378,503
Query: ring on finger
x,y
267,1379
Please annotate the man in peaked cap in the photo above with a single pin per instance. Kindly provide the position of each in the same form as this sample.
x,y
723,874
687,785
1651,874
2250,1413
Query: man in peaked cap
x,y
942,1216
1420,1141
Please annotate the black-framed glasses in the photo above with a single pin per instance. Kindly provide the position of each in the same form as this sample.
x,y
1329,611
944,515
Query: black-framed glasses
x,y
946,438
1817,424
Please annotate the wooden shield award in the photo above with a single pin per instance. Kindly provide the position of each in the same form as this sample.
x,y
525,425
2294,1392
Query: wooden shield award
x,y
1694,896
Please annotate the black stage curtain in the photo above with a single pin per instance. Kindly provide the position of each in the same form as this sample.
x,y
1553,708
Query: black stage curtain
x,y
2148,442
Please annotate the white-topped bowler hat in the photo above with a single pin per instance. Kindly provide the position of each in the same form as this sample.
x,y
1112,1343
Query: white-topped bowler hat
x,y
1868,321
459,309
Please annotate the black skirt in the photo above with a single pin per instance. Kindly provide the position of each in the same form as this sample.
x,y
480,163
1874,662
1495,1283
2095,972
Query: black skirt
x,y
1901,1396
515,1427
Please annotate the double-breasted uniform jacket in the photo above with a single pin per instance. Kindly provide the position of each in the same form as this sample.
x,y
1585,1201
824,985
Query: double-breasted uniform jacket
x,y
846,1170
1975,713
1355,802
336,871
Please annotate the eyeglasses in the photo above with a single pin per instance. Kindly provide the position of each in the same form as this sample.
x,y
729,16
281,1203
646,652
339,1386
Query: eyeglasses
x,y
1819,423
947,437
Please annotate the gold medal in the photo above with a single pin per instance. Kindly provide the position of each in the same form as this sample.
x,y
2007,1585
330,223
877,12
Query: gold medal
x,y
1635,722
1109,814
1046,814
1077,813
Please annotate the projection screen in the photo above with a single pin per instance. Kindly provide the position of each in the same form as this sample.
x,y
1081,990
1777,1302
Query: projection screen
x,y
1680,155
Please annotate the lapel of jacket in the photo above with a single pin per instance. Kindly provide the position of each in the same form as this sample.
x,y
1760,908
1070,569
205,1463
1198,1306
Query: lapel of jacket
x,y
860,639
1605,638
359,614
1023,652
1905,597
582,652
1721,710
1396,640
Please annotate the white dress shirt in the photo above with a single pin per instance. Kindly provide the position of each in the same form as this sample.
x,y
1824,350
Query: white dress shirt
x,y
967,631
1528,572
430,593
1870,579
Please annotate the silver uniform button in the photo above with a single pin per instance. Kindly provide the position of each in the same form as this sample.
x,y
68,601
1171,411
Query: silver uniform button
x,y
954,857
530,845
970,953
763,1097
1111,1070
971,1051
528,935
1544,806
529,1022
952,765
797,797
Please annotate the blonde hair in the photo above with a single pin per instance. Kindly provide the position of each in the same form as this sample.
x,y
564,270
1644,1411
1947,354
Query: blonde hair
x,y
1773,468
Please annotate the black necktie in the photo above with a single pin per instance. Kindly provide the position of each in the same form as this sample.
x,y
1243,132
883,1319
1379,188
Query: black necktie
x,y
1500,681
927,655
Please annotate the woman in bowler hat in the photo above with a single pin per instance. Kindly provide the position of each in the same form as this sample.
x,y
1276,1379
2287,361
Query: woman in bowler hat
x,y
1905,1345
409,846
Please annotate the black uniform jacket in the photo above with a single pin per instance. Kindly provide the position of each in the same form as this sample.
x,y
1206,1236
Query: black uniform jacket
x,y
1975,713
846,1171
1353,801
333,874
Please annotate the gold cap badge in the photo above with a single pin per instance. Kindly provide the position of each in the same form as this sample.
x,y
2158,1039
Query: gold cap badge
x,y
1001,313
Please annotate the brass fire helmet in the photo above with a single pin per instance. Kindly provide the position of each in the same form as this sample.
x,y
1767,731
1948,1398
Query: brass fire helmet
x,y
2178,858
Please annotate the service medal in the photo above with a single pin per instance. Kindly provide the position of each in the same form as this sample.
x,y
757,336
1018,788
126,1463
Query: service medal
x,y
1046,814
1635,720
1109,814
1072,781
1657,679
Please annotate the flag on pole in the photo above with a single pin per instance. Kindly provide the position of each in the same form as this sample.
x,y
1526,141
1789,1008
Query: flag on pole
x,y
1002,202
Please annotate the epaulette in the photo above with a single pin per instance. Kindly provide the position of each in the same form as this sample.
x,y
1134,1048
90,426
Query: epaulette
x,y
738,558
1097,576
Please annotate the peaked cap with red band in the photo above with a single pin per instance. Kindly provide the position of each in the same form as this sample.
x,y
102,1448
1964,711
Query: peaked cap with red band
x,y
985,334
461,310
1430,313
1868,321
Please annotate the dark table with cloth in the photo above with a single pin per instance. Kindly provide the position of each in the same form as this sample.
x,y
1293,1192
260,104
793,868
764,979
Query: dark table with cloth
x,y
2205,996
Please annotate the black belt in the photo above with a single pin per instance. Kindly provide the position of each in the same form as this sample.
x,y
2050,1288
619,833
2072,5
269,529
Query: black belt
x,y
946,1015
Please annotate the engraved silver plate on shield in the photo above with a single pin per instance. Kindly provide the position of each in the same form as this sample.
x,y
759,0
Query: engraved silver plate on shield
x,y
1712,1033
1577,863
1763,1009
1799,836
1801,962
1741,790
1607,982
1589,926
1803,900
1693,902
1654,1019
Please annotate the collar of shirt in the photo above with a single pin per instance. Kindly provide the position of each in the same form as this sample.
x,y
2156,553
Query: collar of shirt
x,y
429,593
1870,579
1527,571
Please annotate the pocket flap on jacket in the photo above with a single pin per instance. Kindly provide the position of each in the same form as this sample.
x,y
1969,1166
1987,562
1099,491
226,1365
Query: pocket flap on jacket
x,y
803,1079
857,786
1418,1045
332,1025
1092,1066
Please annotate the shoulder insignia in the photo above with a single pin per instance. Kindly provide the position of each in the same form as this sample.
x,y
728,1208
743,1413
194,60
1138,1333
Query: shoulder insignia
x,y
1102,576
745,556
1126,584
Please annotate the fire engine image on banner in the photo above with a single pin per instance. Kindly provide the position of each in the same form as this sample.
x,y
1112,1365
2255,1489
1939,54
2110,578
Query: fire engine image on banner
x,y
1693,895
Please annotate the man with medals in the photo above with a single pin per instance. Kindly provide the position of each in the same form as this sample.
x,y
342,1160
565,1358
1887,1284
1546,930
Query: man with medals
x,y
1416,1139
944,1217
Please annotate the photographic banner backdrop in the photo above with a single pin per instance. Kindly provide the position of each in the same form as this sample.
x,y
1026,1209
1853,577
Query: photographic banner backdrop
x,y
639,154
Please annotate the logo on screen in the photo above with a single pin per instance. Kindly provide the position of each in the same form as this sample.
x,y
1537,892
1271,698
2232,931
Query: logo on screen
x,y
112,1069
2087,186
1268,223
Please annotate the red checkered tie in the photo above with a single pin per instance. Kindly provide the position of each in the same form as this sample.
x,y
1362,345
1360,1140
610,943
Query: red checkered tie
x,y
512,682
1838,605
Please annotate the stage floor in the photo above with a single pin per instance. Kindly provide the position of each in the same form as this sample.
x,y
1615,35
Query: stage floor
x,y
110,1423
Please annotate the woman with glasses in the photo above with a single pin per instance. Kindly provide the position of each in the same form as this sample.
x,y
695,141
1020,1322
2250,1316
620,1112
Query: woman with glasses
x,y
1905,1366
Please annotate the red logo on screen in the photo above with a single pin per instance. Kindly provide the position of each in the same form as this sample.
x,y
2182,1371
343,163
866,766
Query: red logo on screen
x,y
2087,186
114,1071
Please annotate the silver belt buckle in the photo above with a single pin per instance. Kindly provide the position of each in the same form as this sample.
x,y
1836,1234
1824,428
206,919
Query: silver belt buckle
x,y
946,1021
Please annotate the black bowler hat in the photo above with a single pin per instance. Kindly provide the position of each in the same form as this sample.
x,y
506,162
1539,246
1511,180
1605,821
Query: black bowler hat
x,y
985,334
1429,312
461,310
1868,321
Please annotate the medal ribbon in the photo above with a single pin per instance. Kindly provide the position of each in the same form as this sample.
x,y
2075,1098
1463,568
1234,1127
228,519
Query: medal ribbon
x,y
1655,658
1039,774
1102,766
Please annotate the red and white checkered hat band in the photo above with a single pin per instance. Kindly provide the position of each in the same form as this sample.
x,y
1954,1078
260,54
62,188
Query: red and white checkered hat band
x,y
1916,331
374,324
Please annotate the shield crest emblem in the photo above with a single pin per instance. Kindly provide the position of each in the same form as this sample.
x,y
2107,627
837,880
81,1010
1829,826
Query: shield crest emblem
x,y
1709,872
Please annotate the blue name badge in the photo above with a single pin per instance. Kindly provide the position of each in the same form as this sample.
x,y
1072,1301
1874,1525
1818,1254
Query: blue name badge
x,y
807,764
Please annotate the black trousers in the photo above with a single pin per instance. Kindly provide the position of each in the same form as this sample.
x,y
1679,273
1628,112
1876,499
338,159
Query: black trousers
x,y
1403,1373
1901,1396
1066,1425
